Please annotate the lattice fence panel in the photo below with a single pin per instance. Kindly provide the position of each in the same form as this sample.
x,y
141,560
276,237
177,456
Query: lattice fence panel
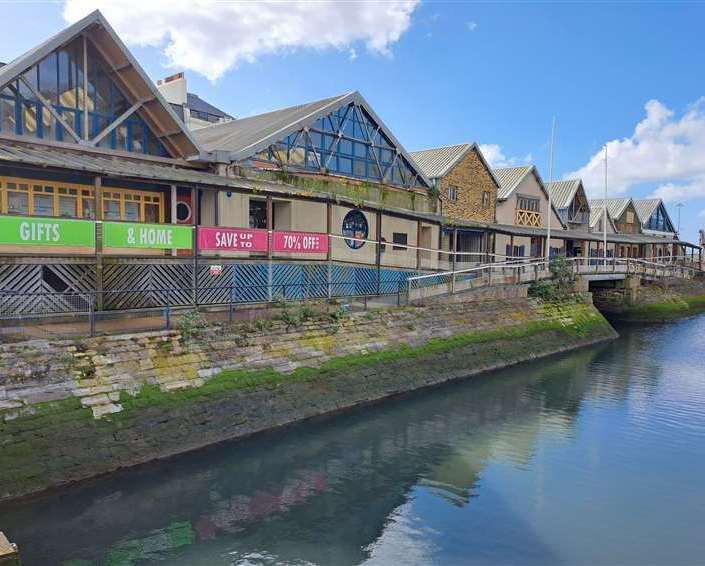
x,y
142,285
52,288
251,282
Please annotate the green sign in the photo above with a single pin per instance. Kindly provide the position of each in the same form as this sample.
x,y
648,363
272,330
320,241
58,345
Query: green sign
x,y
25,230
160,236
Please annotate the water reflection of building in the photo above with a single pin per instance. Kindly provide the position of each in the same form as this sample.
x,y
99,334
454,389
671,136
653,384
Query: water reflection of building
x,y
325,489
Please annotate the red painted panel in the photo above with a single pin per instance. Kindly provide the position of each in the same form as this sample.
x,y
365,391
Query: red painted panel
x,y
232,239
300,242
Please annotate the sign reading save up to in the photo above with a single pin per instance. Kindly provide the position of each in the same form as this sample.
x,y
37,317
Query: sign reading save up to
x,y
159,236
24,230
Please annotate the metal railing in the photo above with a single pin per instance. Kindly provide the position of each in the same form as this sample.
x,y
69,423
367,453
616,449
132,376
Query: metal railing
x,y
533,269
165,302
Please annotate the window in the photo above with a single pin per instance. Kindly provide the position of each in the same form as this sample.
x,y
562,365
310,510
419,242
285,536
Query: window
x,y
68,200
630,217
485,199
59,79
258,214
453,194
346,142
400,239
528,203
355,226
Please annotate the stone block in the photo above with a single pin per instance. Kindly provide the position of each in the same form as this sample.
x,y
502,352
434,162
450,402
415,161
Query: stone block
x,y
107,409
102,399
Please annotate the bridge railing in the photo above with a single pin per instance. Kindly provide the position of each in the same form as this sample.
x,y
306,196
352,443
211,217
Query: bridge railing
x,y
522,270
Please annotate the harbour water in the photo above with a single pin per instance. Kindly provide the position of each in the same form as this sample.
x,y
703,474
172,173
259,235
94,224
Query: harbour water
x,y
593,457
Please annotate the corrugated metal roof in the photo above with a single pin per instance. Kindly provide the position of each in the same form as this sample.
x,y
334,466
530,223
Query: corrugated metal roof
x,y
645,207
562,192
596,214
509,178
119,165
244,137
438,161
615,206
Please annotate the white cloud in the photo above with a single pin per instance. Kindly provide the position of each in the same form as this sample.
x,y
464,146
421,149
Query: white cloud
x,y
213,37
352,54
664,148
472,26
495,156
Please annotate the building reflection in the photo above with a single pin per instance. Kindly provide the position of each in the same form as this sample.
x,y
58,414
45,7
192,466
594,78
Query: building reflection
x,y
320,492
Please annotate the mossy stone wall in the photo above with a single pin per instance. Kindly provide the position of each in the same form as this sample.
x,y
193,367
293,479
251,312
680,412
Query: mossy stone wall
x,y
122,400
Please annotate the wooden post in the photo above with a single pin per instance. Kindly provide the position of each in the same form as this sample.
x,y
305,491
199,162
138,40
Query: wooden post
x,y
378,258
172,206
270,228
418,245
329,255
194,221
216,208
98,205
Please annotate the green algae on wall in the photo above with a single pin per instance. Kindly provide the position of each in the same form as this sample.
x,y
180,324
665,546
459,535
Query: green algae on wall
x,y
54,442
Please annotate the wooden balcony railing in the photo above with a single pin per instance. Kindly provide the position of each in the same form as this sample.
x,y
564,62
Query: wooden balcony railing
x,y
528,218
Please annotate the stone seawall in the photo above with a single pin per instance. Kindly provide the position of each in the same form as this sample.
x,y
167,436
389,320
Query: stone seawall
x,y
655,301
74,409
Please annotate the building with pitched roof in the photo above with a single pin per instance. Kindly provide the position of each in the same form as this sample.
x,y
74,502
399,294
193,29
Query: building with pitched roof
x,y
522,200
104,187
570,201
467,190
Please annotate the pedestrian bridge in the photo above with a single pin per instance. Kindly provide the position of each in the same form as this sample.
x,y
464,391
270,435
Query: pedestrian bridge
x,y
530,270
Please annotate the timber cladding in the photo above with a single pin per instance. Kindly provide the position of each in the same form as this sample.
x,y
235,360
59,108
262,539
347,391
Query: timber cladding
x,y
471,179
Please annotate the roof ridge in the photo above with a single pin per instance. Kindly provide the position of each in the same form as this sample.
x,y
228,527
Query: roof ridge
x,y
465,144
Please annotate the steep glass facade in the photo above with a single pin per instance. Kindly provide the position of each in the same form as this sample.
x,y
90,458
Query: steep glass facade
x,y
59,79
345,142
659,220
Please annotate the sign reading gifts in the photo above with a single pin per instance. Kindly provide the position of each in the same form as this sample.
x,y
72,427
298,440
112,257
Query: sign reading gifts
x,y
233,239
46,231
158,236
300,242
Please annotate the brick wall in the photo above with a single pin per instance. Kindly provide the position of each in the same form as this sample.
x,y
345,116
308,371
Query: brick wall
x,y
472,178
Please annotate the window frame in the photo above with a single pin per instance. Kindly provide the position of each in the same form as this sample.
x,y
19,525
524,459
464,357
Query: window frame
x,y
82,193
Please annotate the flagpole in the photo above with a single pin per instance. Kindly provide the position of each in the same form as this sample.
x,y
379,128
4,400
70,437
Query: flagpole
x,y
604,222
550,180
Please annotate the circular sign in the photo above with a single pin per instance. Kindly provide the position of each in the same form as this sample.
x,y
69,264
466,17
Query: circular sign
x,y
183,211
355,226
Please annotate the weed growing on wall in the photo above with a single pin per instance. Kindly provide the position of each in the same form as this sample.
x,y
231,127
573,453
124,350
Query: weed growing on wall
x,y
192,325
560,286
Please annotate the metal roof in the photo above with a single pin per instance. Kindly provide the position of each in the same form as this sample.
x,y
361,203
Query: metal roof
x,y
509,178
244,137
615,206
438,161
90,24
563,192
124,165
645,207
596,214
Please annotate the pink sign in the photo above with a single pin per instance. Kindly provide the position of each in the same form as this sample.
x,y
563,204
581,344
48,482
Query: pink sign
x,y
300,242
233,239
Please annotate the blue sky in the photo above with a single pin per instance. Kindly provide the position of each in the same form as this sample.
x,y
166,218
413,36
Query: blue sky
x,y
447,72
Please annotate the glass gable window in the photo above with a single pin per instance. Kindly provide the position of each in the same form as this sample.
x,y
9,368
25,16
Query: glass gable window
x,y
346,142
659,221
58,78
